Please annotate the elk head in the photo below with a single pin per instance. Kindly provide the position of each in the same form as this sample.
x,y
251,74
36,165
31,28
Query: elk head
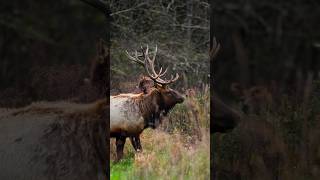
x,y
168,97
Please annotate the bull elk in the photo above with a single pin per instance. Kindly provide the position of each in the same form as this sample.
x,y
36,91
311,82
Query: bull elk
x,y
224,117
131,113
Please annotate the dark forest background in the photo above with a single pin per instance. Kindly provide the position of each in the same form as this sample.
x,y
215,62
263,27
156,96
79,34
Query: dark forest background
x,y
180,29
267,42
263,43
267,68
46,49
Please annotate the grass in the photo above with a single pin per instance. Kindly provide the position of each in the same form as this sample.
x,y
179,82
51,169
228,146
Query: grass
x,y
165,156
121,170
174,151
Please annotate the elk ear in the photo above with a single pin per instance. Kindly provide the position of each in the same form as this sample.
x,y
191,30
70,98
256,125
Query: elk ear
x,y
145,84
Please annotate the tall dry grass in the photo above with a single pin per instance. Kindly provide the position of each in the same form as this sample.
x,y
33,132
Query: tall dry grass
x,y
281,142
179,149
164,156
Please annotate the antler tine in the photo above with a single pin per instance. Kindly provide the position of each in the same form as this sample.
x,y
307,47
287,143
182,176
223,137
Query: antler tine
x,y
166,82
155,54
145,63
160,71
136,58
165,71
175,79
160,74
150,74
142,50
149,63
214,49
147,51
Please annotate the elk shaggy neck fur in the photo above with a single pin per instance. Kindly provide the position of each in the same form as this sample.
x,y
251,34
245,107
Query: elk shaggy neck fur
x,y
132,113
149,105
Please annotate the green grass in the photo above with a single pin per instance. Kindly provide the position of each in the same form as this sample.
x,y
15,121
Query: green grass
x,y
173,151
165,156
122,169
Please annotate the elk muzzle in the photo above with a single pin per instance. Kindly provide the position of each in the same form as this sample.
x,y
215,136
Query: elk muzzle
x,y
180,99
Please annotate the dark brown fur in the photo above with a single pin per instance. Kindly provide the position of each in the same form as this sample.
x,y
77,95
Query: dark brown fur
x,y
153,103
99,68
145,84
61,141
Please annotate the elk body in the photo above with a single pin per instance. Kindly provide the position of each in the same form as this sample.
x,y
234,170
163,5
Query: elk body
x,y
130,113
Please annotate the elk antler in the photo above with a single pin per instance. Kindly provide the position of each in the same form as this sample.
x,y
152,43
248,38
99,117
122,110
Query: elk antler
x,y
214,49
156,77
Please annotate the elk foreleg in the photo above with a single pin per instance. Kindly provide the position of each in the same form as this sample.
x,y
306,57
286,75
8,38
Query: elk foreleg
x,y
138,144
135,141
120,141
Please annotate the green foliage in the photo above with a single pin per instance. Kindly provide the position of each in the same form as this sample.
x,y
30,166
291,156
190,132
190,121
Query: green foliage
x,y
121,170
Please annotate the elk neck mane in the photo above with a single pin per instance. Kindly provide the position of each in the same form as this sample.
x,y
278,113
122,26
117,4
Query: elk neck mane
x,y
148,104
152,103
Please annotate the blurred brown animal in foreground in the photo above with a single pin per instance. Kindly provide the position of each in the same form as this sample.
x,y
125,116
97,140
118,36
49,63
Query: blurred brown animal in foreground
x,y
224,117
54,140
99,68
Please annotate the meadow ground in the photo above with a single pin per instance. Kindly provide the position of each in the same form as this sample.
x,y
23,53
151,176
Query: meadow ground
x,y
179,149
164,156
